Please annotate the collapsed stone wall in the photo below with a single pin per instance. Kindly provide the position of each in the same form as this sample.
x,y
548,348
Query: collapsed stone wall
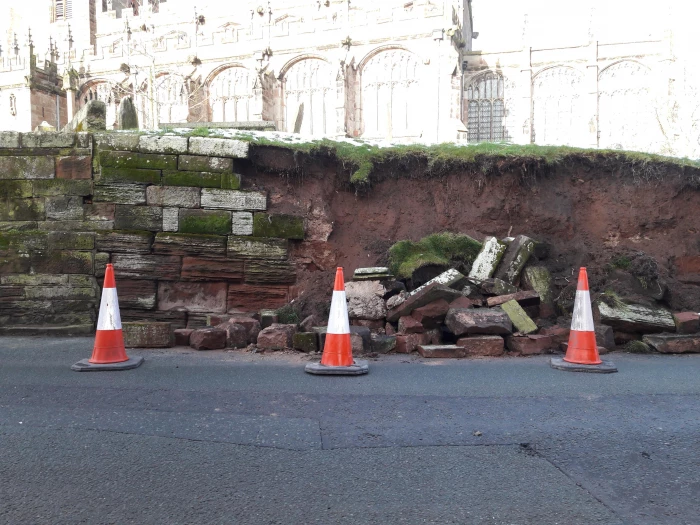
x,y
167,211
198,226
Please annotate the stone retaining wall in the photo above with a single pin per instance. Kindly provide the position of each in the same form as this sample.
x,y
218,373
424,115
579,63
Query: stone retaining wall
x,y
167,211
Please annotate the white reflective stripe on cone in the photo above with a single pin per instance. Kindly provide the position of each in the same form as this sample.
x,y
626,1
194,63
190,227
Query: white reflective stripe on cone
x,y
582,320
109,311
338,322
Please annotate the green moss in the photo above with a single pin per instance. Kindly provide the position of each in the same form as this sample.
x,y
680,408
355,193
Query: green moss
x,y
205,222
15,189
637,347
129,159
23,241
230,181
622,262
612,299
193,179
23,210
288,314
445,248
278,226
200,132
130,175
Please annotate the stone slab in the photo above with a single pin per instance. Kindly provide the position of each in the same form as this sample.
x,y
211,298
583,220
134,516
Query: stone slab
x,y
162,144
189,244
270,272
214,222
463,321
204,297
218,147
250,298
519,317
74,167
441,351
137,266
636,318
233,200
130,159
451,279
530,344
171,219
673,343
128,176
525,298
241,223
278,226
174,196
210,269
60,188
27,168
482,345
487,260
124,241
202,163
515,258
147,335
427,295
64,208
138,218
258,248
195,179
120,193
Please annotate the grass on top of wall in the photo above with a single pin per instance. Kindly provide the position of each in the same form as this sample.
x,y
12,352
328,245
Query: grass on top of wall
x,y
367,162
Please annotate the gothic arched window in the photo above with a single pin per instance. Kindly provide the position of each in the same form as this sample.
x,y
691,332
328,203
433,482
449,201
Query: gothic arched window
x,y
485,108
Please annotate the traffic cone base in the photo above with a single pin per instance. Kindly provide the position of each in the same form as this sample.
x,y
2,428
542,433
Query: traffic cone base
x,y
337,350
582,350
605,367
108,353
86,366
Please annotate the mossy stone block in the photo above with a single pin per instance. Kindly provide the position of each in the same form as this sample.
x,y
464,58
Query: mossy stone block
x,y
305,342
278,226
205,222
257,248
15,189
23,210
518,317
130,175
62,187
138,218
197,179
124,241
120,193
230,181
116,141
130,159
71,241
62,262
202,163
22,168
23,241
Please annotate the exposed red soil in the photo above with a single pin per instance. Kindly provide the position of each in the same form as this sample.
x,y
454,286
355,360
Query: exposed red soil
x,y
588,216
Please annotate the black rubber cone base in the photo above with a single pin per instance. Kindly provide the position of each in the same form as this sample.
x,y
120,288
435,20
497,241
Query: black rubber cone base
x,y
86,366
606,367
358,368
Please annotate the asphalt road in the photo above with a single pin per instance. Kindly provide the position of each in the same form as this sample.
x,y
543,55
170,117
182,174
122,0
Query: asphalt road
x,y
235,438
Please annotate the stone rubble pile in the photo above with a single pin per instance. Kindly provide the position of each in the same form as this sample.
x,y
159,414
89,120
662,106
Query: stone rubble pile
x,y
505,305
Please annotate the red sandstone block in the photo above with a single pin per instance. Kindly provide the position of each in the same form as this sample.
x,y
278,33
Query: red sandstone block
x,y
74,168
559,334
528,298
192,297
277,337
433,314
208,339
484,345
406,344
530,344
409,325
251,298
201,269
687,322
465,302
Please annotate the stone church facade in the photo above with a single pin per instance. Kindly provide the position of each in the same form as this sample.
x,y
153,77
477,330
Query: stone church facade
x,y
399,70
324,68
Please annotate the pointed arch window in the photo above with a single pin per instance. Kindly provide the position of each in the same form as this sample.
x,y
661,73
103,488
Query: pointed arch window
x,y
485,108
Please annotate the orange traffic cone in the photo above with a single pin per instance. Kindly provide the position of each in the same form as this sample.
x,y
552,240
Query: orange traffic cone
x,y
109,352
337,351
582,350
